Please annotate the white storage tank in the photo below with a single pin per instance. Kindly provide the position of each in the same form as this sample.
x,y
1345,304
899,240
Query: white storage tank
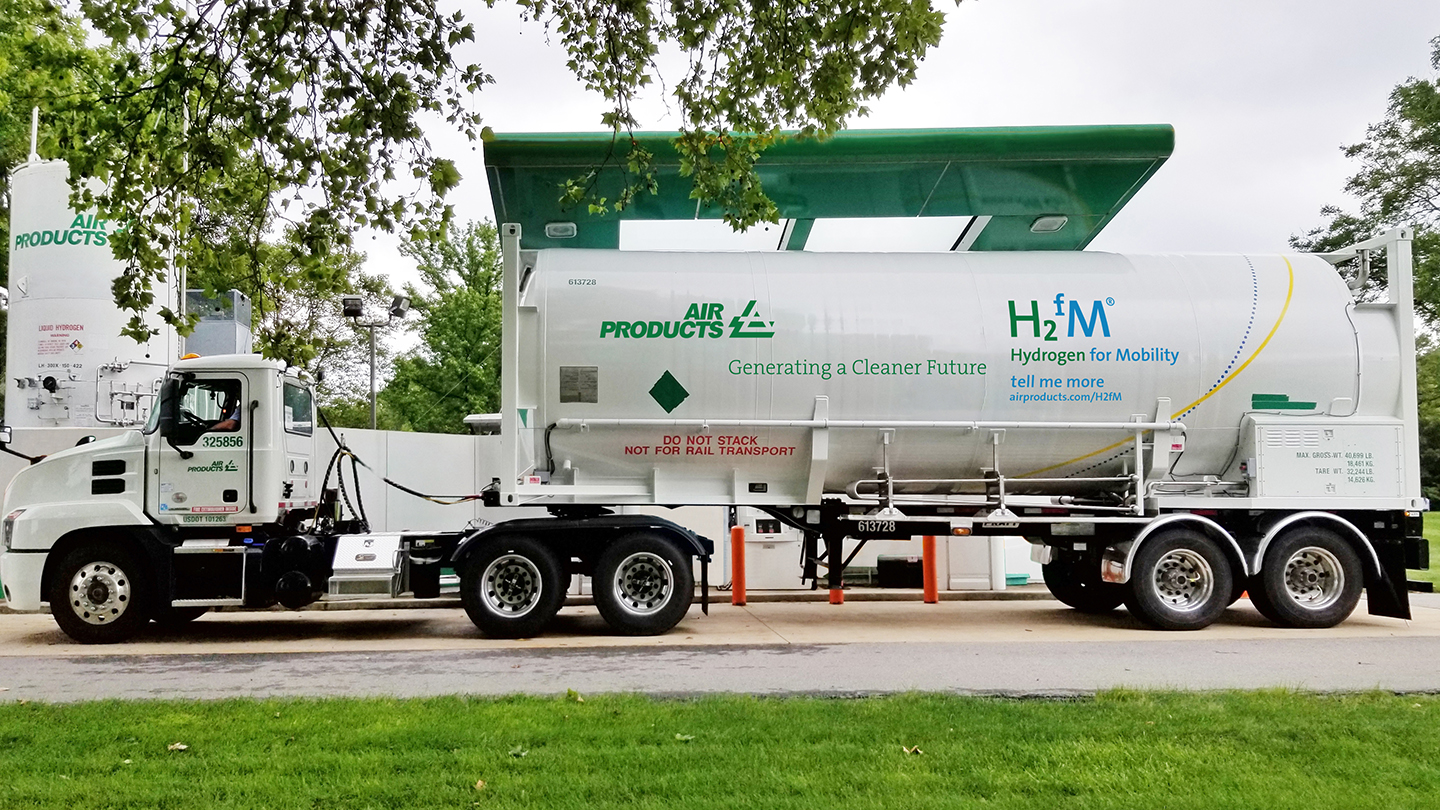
x,y
1025,337
66,363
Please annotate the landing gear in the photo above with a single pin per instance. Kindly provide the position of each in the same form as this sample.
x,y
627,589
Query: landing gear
x,y
1077,583
1180,580
643,585
1309,578
98,594
512,587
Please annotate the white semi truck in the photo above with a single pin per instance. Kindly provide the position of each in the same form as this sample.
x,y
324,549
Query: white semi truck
x,y
1167,431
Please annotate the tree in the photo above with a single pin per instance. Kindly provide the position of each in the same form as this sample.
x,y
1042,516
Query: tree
x,y
42,58
1398,182
296,315
322,102
1427,369
456,369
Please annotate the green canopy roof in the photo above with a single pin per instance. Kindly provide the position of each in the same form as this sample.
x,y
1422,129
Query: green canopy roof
x,y
1004,177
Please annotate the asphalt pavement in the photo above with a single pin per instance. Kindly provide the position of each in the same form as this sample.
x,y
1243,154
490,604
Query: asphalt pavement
x,y
1005,648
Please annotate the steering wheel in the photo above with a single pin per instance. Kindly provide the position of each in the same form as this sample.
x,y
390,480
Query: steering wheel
x,y
189,419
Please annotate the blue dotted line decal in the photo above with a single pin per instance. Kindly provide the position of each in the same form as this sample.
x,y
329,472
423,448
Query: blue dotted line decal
x,y
1235,358
1249,326
1118,455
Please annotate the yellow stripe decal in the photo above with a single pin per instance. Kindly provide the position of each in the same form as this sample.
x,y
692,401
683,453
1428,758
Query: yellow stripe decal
x,y
1289,293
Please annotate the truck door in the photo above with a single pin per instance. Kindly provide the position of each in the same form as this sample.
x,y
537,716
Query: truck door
x,y
203,459
299,411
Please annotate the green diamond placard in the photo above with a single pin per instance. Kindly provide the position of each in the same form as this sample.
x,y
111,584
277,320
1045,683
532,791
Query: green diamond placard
x,y
668,392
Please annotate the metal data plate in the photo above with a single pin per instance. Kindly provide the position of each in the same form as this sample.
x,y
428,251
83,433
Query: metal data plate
x,y
579,383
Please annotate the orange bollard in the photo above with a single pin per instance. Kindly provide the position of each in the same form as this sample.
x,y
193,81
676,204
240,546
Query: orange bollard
x,y
737,566
837,596
927,566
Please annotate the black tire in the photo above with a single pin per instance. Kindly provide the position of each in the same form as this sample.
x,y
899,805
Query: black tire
x,y
171,618
1180,580
643,585
1310,577
1078,584
512,587
99,594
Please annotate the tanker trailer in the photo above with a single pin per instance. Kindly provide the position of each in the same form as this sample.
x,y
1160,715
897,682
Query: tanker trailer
x,y
1167,431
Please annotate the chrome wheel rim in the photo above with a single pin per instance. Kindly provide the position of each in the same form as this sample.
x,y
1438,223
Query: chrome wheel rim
x,y
100,593
511,585
643,583
1184,580
1314,578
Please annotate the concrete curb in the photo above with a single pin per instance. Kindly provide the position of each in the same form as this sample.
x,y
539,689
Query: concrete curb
x,y
1023,593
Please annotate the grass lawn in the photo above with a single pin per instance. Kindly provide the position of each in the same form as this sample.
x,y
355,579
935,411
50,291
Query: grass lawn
x,y
1432,533
1121,750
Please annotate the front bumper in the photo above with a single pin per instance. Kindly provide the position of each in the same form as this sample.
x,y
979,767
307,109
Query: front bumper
x,y
20,572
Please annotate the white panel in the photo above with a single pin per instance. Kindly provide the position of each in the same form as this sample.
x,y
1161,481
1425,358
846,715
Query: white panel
x,y
970,563
1329,460
436,464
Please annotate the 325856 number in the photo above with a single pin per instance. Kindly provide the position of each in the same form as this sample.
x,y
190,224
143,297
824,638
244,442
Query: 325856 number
x,y
222,441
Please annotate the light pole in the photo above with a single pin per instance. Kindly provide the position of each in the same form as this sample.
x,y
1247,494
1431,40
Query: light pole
x,y
353,306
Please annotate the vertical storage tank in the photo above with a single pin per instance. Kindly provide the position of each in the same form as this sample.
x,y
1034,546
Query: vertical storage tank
x,y
66,363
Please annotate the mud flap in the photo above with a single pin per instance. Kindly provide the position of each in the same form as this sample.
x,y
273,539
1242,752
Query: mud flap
x,y
705,584
1389,595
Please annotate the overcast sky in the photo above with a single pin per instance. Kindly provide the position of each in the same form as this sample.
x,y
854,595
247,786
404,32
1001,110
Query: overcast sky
x,y
1262,96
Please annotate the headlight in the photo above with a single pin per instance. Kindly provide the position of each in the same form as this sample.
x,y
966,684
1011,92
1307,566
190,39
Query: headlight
x,y
8,527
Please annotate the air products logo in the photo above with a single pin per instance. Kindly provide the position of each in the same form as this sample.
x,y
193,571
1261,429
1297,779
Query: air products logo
x,y
1077,316
84,230
702,320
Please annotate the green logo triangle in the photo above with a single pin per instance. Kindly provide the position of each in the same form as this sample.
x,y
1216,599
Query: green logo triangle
x,y
668,392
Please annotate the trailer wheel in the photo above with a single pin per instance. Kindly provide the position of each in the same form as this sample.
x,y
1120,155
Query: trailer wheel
x,y
643,585
1310,577
98,594
1181,580
1079,585
512,587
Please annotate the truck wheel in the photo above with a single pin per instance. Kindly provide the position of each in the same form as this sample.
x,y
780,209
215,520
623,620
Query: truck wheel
x,y
98,594
174,617
1074,583
1309,578
643,585
1181,581
512,587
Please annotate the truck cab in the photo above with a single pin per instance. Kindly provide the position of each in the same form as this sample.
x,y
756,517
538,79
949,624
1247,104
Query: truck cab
x,y
226,461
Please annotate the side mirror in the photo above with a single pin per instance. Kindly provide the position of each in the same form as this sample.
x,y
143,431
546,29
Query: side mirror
x,y
170,414
169,406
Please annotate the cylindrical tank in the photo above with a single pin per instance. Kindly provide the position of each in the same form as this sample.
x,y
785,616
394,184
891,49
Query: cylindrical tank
x,y
66,363
1024,337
